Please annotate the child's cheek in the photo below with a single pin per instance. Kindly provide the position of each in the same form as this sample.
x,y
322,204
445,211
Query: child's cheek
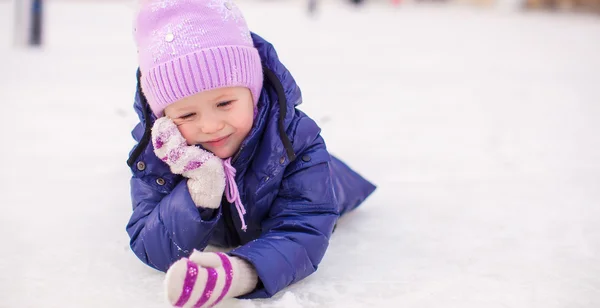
x,y
187,133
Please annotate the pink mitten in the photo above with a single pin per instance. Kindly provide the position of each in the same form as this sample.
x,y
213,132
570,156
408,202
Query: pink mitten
x,y
204,170
206,278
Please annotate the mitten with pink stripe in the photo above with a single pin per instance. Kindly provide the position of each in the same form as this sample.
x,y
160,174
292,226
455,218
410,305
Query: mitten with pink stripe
x,y
204,170
206,278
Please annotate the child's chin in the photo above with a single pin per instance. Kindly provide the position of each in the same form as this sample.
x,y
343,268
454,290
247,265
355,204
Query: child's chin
x,y
222,153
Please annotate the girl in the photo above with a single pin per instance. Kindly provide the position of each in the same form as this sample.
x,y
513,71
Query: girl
x,y
225,158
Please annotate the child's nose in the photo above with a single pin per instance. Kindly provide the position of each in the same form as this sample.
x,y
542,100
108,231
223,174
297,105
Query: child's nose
x,y
210,125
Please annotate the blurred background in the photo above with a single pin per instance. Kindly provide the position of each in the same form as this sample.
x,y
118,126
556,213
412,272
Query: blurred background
x,y
478,120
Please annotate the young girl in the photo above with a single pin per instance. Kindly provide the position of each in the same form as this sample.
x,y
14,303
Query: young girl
x,y
224,158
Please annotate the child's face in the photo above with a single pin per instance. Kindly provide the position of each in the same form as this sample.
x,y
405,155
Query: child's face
x,y
218,119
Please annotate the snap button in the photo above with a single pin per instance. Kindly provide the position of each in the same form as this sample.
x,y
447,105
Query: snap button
x,y
169,37
141,166
282,160
160,181
306,158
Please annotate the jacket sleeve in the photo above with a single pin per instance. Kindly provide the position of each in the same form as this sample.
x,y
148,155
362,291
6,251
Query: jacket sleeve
x,y
166,227
165,224
296,234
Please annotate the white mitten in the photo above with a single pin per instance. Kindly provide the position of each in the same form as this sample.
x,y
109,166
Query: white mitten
x,y
204,170
206,278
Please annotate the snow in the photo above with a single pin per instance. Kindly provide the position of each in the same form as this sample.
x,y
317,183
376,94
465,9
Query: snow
x,y
479,126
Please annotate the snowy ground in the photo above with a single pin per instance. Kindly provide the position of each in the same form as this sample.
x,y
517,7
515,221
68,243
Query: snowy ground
x,y
480,127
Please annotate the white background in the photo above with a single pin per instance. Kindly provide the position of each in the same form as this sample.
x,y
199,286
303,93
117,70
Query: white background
x,y
479,126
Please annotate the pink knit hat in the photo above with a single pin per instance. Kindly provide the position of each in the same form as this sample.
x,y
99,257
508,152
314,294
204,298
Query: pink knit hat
x,y
189,46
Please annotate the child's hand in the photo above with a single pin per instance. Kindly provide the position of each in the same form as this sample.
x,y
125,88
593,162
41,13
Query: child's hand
x,y
206,278
203,169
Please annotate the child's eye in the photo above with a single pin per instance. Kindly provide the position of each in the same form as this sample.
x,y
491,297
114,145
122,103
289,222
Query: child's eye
x,y
187,116
224,104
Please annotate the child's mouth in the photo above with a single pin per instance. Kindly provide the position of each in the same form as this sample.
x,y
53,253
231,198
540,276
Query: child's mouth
x,y
217,142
